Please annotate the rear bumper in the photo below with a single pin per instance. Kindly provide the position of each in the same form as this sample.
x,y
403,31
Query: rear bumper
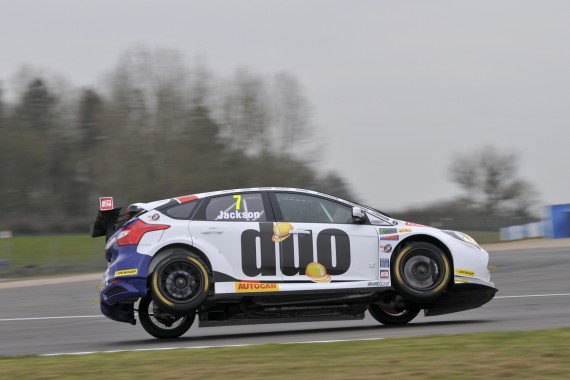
x,y
462,297
128,290
117,299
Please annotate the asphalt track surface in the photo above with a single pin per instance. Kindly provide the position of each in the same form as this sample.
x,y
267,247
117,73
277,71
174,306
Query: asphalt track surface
x,y
534,293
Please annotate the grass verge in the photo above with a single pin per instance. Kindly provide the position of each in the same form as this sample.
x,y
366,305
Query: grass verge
x,y
52,250
517,355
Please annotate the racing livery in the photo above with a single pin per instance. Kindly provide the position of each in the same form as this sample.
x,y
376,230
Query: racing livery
x,y
279,255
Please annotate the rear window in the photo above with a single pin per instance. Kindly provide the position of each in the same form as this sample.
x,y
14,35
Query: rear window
x,y
182,211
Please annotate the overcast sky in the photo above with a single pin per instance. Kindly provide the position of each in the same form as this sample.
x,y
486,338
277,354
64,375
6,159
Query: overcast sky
x,y
396,87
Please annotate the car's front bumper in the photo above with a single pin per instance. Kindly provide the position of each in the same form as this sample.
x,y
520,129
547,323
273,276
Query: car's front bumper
x,y
463,296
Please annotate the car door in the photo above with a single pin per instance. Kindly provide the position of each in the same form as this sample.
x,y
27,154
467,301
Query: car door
x,y
319,242
239,227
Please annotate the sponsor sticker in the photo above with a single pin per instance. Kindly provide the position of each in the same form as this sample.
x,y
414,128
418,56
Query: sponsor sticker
x,y
403,230
105,203
317,272
415,224
384,274
155,217
387,231
249,287
377,222
464,272
384,263
378,283
126,272
281,231
387,248
390,237
186,198
258,252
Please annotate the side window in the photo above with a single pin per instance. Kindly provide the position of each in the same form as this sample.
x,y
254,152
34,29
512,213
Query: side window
x,y
311,209
236,208
182,211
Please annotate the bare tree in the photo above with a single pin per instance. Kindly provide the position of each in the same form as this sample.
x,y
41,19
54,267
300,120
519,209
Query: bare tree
x,y
289,114
155,128
245,115
490,181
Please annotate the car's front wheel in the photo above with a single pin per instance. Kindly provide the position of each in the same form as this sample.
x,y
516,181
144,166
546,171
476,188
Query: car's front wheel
x,y
160,324
393,315
421,272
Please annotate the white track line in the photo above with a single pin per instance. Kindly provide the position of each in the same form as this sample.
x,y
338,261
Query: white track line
x,y
535,295
203,347
47,318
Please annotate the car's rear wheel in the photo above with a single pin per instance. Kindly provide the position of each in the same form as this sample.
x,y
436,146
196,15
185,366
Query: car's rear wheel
x,y
421,272
393,315
180,282
160,324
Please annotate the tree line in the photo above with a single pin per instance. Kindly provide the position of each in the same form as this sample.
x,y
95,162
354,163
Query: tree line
x,y
154,128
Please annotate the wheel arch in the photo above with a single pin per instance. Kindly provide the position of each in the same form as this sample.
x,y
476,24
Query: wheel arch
x,y
428,239
162,253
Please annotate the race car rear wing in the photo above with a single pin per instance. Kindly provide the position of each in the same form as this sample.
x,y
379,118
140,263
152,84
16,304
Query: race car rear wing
x,y
105,223
109,218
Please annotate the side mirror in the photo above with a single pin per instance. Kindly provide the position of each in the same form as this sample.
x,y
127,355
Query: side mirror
x,y
358,216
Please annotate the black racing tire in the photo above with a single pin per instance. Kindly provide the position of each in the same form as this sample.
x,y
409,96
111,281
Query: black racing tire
x,y
155,322
393,316
180,282
421,272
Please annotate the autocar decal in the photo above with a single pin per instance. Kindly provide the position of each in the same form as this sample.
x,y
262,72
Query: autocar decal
x,y
249,287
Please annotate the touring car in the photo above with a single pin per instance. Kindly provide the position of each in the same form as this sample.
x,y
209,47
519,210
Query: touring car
x,y
279,255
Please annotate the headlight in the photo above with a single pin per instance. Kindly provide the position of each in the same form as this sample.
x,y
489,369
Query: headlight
x,y
461,236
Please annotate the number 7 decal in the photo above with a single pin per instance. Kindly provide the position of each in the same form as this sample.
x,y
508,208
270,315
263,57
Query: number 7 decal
x,y
238,202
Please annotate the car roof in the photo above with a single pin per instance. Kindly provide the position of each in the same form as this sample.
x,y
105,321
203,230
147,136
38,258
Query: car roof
x,y
253,189
187,198
192,197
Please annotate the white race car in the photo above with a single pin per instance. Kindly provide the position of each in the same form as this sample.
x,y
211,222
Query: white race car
x,y
279,255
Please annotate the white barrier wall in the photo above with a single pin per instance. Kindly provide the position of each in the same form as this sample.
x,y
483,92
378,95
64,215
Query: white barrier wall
x,y
524,231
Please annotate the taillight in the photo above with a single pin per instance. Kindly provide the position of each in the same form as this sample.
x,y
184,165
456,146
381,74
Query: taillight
x,y
132,234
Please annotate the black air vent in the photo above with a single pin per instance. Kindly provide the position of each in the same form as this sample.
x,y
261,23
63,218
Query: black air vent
x,y
115,291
